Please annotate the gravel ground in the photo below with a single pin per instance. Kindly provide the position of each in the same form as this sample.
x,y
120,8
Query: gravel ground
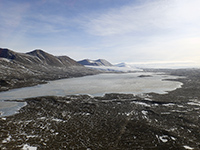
x,y
114,121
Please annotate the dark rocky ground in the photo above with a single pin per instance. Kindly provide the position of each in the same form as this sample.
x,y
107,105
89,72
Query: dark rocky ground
x,y
115,121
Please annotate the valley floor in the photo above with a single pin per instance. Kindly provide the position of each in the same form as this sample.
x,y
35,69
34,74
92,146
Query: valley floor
x,y
114,121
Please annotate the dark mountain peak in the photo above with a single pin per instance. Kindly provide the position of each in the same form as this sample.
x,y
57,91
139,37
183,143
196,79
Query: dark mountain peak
x,y
6,53
4,50
98,62
37,51
40,54
45,57
103,61
49,59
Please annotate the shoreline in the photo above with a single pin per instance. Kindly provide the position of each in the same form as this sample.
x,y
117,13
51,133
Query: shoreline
x,y
134,84
14,82
35,89
113,121
108,119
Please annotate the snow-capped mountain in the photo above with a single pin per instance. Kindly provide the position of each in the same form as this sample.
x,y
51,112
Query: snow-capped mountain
x,y
99,62
124,65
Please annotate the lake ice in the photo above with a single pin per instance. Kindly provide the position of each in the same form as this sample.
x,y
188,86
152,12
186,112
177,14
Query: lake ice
x,y
96,85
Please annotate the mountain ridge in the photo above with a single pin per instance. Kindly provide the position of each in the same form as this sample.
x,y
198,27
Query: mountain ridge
x,y
36,57
53,60
35,67
123,64
98,62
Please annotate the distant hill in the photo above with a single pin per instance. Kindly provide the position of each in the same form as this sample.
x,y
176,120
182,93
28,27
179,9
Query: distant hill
x,y
123,65
38,66
99,62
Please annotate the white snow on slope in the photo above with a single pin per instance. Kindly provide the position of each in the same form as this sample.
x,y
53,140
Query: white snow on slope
x,y
161,64
114,68
27,147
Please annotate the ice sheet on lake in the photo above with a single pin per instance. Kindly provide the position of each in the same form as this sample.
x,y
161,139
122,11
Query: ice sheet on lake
x,y
96,85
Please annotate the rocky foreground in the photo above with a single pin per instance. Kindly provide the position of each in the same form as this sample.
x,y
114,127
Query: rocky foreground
x,y
115,121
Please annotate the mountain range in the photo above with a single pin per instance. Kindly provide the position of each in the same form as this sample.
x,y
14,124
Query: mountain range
x,y
99,62
37,66
38,57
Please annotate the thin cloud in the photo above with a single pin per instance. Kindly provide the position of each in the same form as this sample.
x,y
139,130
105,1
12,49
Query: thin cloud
x,y
12,16
151,15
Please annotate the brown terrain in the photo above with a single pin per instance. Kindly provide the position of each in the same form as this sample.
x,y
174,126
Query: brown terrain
x,y
112,122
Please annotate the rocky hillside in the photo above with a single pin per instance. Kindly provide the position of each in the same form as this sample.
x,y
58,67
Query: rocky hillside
x,y
99,62
48,59
38,57
25,69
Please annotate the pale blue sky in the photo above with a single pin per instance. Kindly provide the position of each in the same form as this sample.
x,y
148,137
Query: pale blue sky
x,y
116,30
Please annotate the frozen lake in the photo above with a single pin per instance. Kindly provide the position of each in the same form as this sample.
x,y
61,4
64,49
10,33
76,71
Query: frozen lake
x,y
96,85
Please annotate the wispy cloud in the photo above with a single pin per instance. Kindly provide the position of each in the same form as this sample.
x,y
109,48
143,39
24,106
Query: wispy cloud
x,y
161,30
11,16
146,17
28,23
11,28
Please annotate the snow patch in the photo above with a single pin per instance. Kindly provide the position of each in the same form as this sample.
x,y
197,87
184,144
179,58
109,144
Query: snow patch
x,y
42,118
114,68
57,120
148,99
193,103
165,113
188,147
169,104
173,138
91,61
85,114
179,111
31,136
3,118
141,103
8,139
5,59
127,113
144,112
27,147
162,138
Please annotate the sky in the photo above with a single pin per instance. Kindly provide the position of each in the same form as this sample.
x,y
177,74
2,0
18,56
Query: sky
x,y
134,31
